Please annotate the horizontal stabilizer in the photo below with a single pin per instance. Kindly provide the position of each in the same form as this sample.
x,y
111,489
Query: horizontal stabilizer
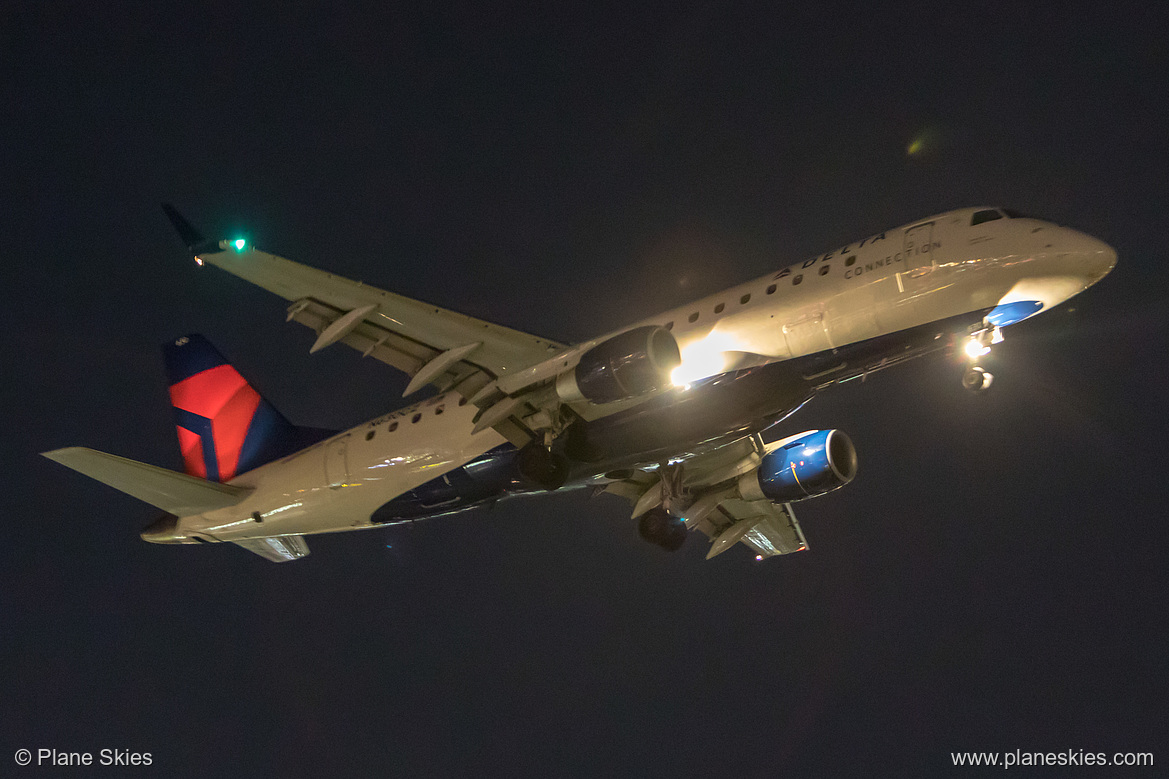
x,y
175,493
278,549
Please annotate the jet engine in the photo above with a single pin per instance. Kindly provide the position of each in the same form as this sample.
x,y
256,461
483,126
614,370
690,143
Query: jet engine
x,y
626,366
811,464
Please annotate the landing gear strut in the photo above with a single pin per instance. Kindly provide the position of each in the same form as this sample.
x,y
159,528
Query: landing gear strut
x,y
976,378
659,525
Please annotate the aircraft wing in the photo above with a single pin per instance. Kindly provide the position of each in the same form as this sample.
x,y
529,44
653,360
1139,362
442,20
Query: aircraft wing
x,y
430,344
407,334
713,506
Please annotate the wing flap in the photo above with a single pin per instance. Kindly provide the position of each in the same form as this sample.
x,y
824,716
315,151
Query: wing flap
x,y
175,493
769,529
411,357
395,350
777,532
278,549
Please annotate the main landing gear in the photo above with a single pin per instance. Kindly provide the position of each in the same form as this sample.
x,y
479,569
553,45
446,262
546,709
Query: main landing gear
x,y
660,527
976,378
540,465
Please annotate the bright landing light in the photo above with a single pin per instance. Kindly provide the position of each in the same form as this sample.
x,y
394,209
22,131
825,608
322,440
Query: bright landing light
x,y
697,365
975,349
703,358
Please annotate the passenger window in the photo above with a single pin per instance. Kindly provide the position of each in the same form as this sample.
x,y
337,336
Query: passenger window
x,y
745,299
989,215
850,261
393,426
771,289
462,401
719,308
694,317
438,411
669,325
797,279
415,418
369,435
824,270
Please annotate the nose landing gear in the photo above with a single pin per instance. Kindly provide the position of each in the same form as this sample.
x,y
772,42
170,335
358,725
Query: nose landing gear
x,y
976,378
660,527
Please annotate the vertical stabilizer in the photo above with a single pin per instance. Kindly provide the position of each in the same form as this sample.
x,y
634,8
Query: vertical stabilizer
x,y
225,428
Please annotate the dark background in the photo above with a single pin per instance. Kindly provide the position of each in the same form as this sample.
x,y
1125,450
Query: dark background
x,y
994,579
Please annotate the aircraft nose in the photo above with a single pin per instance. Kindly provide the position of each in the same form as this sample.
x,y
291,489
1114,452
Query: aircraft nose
x,y
162,530
1098,257
1105,260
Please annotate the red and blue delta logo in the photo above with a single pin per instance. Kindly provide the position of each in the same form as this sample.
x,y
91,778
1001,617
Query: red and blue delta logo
x,y
221,406
225,428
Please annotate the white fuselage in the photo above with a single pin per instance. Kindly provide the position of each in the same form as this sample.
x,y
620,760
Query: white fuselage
x,y
922,272
338,483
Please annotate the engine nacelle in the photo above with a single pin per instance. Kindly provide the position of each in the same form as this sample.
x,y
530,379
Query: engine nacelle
x,y
811,464
633,363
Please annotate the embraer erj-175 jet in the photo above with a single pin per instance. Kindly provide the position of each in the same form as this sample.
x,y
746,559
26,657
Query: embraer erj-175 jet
x,y
666,413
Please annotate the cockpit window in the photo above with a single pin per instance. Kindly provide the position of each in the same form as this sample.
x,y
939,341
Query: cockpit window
x,y
988,215
1013,214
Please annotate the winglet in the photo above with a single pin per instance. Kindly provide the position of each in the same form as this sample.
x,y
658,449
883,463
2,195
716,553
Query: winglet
x,y
196,243
186,231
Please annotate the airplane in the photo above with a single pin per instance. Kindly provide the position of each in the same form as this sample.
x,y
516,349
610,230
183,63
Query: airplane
x,y
669,413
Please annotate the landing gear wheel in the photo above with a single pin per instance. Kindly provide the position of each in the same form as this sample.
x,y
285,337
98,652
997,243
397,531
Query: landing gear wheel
x,y
976,379
543,467
659,527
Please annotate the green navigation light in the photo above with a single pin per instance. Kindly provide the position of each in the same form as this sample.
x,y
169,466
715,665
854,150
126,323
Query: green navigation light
x,y
240,243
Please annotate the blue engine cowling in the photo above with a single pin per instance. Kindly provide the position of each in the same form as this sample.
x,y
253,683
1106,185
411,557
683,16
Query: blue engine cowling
x,y
633,363
808,465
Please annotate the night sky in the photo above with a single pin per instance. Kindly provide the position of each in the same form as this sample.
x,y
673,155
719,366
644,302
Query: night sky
x,y
994,579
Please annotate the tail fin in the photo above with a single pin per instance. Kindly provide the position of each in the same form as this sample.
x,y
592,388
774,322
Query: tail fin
x,y
225,428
